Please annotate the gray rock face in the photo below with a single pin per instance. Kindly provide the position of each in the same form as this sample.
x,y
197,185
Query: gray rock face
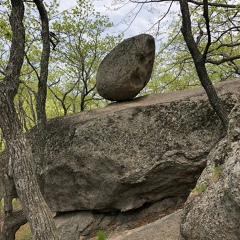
x,y
212,210
129,154
126,70
86,224
166,228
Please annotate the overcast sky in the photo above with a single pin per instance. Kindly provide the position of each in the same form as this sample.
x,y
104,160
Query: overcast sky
x,y
143,21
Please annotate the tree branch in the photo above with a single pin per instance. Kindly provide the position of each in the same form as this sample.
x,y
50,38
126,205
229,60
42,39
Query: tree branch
x,y
42,83
222,5
31,65
225,59
199,63
28,87
11,81
205,15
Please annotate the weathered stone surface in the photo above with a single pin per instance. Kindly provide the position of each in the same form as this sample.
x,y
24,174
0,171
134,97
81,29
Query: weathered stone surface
x,y
85,224
129,154
214,213
166,228
126,70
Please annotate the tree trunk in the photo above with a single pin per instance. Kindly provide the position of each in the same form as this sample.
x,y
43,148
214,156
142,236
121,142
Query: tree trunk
x,y
12,220
42,94
21,163
199,61
37,212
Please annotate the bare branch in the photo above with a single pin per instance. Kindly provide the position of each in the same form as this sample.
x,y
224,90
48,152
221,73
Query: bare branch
x,y
198,39
231,45
226,32
28,87
139,10
158,22
31,65
225,59
222,5
215,4
54,83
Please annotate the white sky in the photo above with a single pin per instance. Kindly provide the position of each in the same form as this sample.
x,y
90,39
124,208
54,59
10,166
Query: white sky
x,y
141,24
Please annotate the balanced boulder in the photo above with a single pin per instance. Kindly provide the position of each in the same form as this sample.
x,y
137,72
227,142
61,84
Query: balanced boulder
x,y
126,70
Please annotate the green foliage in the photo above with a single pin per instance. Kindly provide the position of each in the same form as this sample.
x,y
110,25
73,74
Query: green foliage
x,y
199,189
217,171
102,235
174,68
83,44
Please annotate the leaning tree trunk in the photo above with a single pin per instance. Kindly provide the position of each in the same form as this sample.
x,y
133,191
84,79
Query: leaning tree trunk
x,y
41,95
199,62
21,162
34,205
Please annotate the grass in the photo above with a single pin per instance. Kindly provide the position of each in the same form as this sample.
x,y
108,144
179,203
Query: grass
x,y
198,190
102,235
217,172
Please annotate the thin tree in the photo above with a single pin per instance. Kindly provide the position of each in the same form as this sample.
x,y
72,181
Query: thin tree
x,y
20,166
200,59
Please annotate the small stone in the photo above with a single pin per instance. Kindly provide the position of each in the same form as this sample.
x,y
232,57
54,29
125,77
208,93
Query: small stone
x,y
127,69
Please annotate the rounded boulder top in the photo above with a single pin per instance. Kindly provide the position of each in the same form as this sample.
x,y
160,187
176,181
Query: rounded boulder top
x,y
127,69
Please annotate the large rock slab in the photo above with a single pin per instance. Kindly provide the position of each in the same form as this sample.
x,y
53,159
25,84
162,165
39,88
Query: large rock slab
x,y
83,225
126,70
129,154
166,228
212,210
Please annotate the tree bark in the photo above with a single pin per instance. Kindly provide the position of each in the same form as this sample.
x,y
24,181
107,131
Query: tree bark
x,y
199,62
41,95
21,162
12,220
37,212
